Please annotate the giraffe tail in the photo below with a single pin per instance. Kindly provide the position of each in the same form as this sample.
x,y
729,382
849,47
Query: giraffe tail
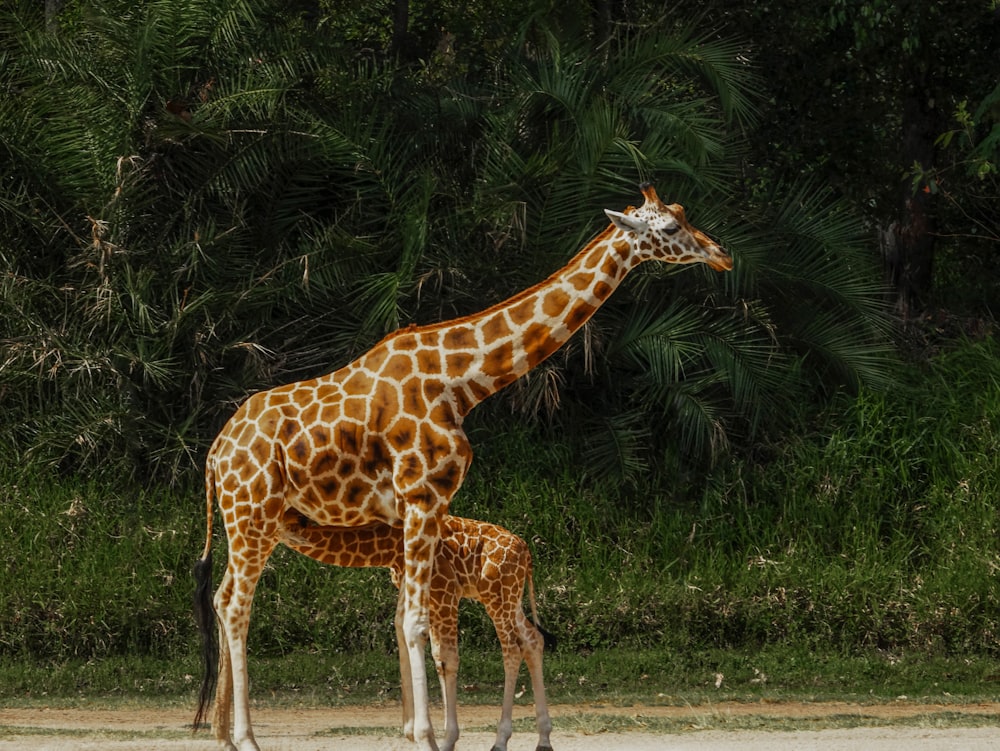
x,y
548,639
204,611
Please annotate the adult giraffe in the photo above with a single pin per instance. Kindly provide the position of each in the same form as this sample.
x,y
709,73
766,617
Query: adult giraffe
x,y
381,439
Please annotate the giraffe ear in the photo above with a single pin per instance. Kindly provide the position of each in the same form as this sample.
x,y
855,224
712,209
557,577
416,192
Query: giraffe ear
x,y
626,223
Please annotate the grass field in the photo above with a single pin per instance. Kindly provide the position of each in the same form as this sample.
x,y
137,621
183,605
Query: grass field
x,y
854,557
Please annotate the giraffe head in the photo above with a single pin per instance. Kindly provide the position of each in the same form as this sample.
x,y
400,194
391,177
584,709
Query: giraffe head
x,y
658,231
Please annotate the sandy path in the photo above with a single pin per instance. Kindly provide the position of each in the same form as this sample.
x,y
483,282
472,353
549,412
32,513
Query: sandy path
x,y
38,729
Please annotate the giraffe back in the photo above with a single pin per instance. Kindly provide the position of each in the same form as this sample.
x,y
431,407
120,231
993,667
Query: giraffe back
x,y
489,562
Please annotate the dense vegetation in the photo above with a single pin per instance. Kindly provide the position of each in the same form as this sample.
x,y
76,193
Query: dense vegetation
x,y
876,530
236,203
201,199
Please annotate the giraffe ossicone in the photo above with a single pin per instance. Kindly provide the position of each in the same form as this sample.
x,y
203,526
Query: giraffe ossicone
x,y
381,439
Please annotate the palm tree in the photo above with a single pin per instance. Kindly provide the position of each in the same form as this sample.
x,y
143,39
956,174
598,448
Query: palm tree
x,y
210,197
154,253
675,367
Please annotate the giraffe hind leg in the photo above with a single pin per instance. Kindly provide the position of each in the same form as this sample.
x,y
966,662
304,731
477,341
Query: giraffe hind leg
x,y
233,602
533,643
222,711
511,666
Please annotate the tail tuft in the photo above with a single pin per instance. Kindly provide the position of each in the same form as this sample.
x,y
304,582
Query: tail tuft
x,y
204,615
549,640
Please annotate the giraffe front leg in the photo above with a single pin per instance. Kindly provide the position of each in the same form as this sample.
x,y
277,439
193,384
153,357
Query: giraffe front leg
x,y
444,602
421,531
405,674
415,632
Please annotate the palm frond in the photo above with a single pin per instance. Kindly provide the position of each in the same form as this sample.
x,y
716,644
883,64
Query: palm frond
x,y
615,446
720,65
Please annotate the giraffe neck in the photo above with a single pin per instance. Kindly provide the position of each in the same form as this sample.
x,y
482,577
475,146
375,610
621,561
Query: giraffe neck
x,y
462,362
486,351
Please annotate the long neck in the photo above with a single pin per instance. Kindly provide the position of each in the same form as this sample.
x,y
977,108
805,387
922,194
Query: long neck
x,y
466,360
489,350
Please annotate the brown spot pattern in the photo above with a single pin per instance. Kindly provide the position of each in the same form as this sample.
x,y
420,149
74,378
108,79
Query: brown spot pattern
x,y
554,303
463,338
499,360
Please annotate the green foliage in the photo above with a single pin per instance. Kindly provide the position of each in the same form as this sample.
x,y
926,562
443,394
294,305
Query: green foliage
x,y
855,94
617,676
966,180
92,572
895,495
209,199
875,531
148,247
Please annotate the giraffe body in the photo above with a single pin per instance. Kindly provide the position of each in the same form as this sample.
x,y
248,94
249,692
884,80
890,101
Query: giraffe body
x,y
474,560
381,439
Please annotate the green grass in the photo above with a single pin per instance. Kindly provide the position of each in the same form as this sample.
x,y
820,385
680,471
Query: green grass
x,y
611,677
855,557
594,724
160,734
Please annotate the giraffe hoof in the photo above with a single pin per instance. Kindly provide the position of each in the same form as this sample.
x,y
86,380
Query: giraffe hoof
x,y
543,748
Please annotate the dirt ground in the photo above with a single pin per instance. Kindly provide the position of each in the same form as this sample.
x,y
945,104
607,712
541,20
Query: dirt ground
x,y
41,728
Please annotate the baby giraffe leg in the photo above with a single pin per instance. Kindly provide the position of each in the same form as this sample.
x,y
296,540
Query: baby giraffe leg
x,y
532,645
511,667
445,598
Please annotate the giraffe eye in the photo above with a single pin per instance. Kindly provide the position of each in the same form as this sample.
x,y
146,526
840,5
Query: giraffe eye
x,y
672,230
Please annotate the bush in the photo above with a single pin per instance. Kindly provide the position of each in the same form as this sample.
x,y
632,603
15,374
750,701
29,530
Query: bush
x,y
874,528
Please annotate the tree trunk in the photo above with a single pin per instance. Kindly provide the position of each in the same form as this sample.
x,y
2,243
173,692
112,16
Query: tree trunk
x,y
908,246
52,14
399,45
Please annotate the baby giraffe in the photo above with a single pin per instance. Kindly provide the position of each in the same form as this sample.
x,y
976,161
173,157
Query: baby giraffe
x,y
474,559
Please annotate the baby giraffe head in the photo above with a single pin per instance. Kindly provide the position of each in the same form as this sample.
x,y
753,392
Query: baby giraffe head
x,y
658,231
